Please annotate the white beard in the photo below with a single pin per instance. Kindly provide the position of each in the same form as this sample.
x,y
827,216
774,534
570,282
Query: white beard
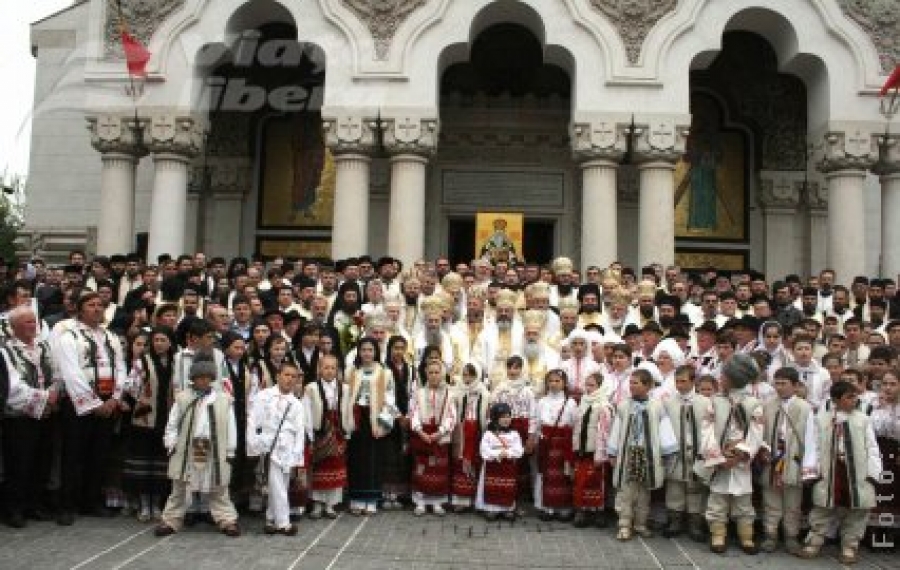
x,y
531,350
504,325
433,338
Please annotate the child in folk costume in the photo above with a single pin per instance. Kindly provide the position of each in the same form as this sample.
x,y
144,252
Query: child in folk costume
x,y
151,390
684,491
242,384
201,436
617,381
760,388
472,402
886,423
593,420
815,378
790,459
501,450
393,448
276,433
516,393
556,413
330,419
432,419
732,435
641,436
371,394
849,466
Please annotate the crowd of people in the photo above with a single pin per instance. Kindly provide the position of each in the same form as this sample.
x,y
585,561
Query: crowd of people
x,y
654,401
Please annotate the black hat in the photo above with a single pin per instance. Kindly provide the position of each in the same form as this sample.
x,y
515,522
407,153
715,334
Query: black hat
x,y
292,316
631,329
678,331
652,326
588,288
748,322
669,300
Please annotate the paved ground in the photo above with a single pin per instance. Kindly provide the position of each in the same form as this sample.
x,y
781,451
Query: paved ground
x,y
386,541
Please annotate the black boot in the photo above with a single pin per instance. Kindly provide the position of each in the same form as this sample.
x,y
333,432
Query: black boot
x,y
581,520
601,520
676,524
695,528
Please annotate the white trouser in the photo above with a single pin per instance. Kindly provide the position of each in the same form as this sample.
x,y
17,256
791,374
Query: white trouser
x,y
278,510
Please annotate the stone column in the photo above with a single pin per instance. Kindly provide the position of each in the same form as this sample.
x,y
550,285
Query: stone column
x,y
411,140
117,139
889,168
174,141
598,144
779,196
847,157
659,143
816,198
230,182
351,139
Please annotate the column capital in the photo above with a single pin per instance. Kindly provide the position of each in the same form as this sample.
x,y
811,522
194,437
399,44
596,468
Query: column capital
x,y
815,195
175,134
848,147
780,190
350,132
888,155
411,133
600,137
117,134
226,176
661,138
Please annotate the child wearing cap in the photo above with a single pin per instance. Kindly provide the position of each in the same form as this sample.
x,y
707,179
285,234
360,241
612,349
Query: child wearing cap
x,y
201,438
732,434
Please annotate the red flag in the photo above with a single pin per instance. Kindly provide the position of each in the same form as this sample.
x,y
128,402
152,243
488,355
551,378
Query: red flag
x,y
893,82
136,55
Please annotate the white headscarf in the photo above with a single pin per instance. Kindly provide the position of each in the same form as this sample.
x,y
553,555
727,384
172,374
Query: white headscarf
x,y
670,347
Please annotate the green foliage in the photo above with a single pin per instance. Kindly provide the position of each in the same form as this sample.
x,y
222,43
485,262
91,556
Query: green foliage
x,y
11,221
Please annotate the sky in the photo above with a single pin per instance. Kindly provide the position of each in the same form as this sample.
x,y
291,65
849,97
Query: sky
x,y
17,74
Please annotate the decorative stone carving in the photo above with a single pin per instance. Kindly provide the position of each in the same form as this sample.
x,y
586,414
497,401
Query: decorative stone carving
x,y
881,21
144,17
383,18
117,134
815,195
888,155
854,148
174,134
660,139
350,133
780,190
634,19
413,135
221,176
607,139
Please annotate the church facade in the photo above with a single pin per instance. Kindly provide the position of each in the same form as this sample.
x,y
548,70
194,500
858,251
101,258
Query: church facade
x,y
736,134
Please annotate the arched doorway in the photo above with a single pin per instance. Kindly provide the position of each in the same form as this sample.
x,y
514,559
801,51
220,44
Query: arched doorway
x,y
265,168
504,145
748,120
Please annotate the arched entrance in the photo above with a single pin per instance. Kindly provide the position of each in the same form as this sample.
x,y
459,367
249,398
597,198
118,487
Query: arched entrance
x,y
265,169
748,133
504,147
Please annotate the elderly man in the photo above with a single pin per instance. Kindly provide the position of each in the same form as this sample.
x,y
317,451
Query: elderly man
x,y
499,340
92,365
28,438
432,332
539,357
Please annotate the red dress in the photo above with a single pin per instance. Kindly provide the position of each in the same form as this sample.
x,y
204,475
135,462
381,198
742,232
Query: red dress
x,y
431,471
465,484
331,472
554,452
523,473
500,481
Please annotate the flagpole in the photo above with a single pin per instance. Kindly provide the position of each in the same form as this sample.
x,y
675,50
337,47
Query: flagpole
x,y
123,28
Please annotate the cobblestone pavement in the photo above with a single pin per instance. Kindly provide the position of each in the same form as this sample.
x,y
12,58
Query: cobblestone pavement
x,y
386,541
